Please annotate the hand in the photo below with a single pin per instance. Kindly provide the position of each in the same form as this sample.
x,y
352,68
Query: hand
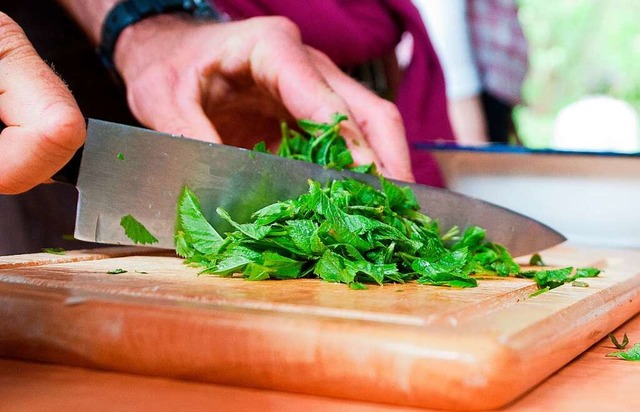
x,y
234,82
44,125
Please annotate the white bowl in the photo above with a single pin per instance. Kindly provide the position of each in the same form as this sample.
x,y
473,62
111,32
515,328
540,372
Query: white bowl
x,y
591,198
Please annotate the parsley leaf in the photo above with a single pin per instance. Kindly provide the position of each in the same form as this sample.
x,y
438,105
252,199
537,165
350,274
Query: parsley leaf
x,y
136,231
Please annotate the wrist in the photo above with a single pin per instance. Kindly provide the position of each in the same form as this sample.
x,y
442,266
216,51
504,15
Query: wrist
x,y
128,58
127,13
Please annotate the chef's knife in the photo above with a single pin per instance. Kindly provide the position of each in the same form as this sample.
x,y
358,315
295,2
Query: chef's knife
x,y
133,171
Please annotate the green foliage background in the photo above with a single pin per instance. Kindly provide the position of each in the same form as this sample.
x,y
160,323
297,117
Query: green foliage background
x,y
577,48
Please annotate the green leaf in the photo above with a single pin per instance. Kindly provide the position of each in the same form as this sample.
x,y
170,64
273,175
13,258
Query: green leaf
x,y
579,284
260,147
116,271
193,231
632,354
304,233
357,286
540,291
136,231
255,271
536,260
54,250
253,230
233,260
625,341
553,278
587,272
282,267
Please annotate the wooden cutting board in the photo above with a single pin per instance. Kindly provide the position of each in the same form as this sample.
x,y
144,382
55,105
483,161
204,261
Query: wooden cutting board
x,y
406,344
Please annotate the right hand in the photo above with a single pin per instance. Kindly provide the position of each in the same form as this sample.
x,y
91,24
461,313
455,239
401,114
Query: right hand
x,y
230,82
44,124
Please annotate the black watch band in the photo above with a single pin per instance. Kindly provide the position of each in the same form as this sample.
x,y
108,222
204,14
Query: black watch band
x,y
129,12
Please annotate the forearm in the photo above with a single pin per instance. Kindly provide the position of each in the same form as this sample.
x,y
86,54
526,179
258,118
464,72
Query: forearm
x,y
89,14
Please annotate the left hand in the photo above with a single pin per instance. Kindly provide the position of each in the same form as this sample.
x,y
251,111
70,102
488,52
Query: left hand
x,y
44,124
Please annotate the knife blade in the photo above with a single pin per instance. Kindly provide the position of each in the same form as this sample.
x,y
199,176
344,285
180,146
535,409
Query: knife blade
x,y
134,171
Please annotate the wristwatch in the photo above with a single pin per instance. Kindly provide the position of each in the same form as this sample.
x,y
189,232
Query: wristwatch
x,y
129,12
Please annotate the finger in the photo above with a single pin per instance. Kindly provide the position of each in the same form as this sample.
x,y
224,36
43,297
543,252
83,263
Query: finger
x,y
44,124
170,103
379,120
288,71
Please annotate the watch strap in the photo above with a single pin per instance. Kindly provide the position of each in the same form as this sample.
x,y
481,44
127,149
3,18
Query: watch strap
x,y
129,12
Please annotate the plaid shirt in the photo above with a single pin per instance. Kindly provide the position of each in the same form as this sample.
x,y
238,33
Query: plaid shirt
x,y
499,46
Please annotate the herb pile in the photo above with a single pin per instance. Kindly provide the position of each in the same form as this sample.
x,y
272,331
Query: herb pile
x,y
347,232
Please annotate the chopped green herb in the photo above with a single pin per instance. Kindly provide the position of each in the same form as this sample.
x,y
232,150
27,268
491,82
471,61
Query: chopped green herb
x,y
319,143
260,147
587,272
347,232
536,260
68,236
552,278
136,231
579,284
625,341
120,156
54,250
116,271
632,354
540,291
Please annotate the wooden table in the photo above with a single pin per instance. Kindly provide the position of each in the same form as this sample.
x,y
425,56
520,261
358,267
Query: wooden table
x,y
591,382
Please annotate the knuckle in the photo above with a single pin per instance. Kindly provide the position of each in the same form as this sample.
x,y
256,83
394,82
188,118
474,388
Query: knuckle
x,y
280,24
62,129
390,111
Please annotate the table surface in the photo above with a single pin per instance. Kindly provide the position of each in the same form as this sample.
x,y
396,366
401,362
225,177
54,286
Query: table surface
x,y
591,382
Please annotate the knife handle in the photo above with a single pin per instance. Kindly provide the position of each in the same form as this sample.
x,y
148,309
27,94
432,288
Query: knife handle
x,y
69,172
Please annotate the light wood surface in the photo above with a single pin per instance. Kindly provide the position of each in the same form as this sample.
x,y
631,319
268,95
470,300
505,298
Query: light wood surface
x,y
399,344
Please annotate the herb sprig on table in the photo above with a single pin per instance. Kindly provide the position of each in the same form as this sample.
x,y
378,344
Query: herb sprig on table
x,y
631,354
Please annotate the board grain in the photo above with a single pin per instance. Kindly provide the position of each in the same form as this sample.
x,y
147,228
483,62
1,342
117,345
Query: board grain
x,y
406,344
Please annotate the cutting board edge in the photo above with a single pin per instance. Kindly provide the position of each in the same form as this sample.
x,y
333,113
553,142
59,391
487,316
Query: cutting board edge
x,y
492,392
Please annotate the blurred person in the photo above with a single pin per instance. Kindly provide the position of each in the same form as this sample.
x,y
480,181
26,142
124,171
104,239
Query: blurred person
x,y
484,55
